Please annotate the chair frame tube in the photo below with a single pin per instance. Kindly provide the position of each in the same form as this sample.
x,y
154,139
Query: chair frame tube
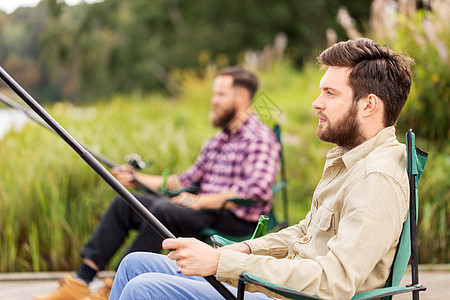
x,y
413,217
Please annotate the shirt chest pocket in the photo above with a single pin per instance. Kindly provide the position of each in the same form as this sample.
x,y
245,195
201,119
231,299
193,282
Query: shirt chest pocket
x,y
323,219
319,231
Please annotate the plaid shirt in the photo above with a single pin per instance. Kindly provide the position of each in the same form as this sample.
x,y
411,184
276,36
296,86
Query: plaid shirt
x,y
245,161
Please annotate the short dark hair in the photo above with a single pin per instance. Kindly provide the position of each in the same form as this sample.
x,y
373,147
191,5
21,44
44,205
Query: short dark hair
x,y
375,69
242,78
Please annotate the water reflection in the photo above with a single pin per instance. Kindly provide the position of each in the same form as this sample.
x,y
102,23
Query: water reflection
x,y
9,119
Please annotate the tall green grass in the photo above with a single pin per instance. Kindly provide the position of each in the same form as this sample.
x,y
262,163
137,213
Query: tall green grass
x,y
50,200
424,35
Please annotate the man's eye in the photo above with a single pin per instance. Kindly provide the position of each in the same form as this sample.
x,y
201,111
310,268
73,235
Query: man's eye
x,y
330,93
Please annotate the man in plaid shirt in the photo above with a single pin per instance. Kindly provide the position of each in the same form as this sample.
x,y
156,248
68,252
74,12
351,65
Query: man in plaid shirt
x,y
240,164
241,161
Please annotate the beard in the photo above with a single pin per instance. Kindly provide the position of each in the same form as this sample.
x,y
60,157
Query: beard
x,y
222,118
346,132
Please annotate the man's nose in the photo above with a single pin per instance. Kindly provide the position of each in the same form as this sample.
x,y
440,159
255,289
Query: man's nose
x,y
318,103
214,100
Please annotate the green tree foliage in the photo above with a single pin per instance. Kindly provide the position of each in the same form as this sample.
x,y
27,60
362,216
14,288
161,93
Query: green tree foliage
x,y
115,46
20,47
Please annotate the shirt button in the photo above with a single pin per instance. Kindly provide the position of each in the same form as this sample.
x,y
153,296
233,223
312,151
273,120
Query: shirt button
x,y
305,239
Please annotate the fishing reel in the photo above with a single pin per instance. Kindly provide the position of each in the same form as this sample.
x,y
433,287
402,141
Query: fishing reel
x,y
136,162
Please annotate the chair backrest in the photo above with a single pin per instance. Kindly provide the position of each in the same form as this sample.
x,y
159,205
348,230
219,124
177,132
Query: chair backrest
x,y
407,246
281,185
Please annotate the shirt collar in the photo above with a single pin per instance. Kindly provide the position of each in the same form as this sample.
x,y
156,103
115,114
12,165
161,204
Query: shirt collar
x,y
356,154
226,134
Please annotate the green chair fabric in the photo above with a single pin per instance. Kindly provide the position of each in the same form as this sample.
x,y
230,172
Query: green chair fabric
x,y
406,249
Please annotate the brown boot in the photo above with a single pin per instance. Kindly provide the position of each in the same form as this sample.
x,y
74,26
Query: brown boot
x,y
102,293
69,289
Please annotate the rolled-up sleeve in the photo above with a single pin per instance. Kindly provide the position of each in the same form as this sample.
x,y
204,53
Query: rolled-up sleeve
x,y
277,244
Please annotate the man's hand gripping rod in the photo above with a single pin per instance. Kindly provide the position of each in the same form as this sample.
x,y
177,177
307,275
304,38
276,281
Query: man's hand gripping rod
x,y
94,164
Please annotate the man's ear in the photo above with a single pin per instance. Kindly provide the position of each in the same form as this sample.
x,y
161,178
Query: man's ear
x,y
243,96
370,105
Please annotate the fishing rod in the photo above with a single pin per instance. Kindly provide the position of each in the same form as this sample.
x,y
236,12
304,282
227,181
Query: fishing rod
x,y
133,160
137,206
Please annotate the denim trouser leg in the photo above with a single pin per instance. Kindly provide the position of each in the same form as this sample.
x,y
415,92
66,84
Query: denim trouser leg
x,y
143,275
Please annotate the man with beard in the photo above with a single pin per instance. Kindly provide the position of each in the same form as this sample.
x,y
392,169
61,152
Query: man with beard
x,y
240,161
347,241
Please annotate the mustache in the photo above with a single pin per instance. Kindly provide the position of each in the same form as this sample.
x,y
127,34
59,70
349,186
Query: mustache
x,y
321,115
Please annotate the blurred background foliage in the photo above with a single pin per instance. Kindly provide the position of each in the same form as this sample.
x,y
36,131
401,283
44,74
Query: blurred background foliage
x,y
86,51
135,76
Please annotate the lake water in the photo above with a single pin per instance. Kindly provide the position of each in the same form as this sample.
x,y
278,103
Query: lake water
x,y
11,119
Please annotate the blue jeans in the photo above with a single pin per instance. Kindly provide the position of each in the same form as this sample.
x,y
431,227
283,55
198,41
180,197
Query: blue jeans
x,y
145,275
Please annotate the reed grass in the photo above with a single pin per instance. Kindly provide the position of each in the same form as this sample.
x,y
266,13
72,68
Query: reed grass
x,y
51,200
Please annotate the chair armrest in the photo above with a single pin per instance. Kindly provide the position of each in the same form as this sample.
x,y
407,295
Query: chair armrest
x,y
220,241
276,288
387,291
294,294
192,190
241,201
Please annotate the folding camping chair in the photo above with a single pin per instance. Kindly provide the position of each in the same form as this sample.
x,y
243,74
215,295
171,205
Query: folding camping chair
x,y
406,248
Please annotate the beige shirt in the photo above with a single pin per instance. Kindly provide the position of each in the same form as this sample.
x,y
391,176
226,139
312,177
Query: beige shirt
x,y
347,241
